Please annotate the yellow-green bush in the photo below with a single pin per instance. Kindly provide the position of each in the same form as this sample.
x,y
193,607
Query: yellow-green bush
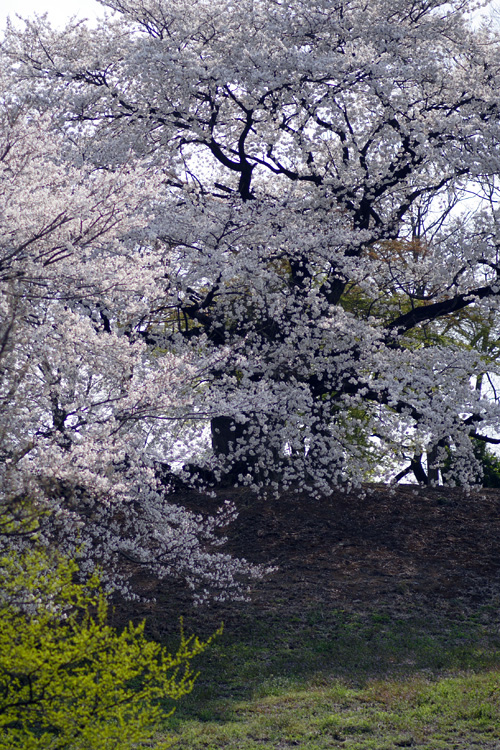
x,y
67,679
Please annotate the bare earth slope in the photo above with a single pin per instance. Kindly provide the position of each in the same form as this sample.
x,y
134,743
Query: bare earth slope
x,y
397,547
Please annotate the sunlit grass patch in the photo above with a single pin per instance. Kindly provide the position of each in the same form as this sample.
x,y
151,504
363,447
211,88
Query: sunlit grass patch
x,y
370,681
410,712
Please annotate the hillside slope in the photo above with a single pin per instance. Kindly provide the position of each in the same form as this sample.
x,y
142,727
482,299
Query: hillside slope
x,y
397,548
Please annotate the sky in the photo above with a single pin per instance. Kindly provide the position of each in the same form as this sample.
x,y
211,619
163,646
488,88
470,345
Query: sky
x,y
59,11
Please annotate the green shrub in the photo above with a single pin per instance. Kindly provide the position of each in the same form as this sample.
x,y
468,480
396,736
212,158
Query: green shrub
x,y
67,679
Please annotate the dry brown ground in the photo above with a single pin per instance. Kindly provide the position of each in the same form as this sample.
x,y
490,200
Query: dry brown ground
x,y
403,547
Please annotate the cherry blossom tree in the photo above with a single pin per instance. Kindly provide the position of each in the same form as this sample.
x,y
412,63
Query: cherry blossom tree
x,y
82,400
328,202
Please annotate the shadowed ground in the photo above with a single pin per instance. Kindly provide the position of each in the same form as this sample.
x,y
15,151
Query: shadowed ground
x,y
385,548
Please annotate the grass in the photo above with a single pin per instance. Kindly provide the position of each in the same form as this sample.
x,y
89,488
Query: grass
x,y
371,681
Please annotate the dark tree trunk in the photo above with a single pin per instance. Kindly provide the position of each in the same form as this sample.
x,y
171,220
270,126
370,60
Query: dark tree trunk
x,y
433,472
229,440
418,469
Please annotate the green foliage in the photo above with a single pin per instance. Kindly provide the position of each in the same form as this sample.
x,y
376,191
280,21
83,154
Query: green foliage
x,y
67,679
489,464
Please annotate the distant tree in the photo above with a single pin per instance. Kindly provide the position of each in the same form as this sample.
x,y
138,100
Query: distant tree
x,y
296,144
490,464
487,466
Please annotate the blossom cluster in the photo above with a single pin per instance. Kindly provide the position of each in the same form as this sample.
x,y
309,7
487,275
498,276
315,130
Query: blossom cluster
x,y
318,253
85,405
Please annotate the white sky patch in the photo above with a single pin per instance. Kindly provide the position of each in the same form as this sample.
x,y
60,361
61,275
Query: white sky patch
x,y
59,11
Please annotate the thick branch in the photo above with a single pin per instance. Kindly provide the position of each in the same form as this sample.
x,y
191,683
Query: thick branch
x,y
426,313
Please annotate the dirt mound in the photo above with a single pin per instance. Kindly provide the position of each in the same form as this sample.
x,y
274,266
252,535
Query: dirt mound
x,y
381,547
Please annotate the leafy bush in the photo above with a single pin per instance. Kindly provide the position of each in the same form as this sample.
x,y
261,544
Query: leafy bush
x,y
67,679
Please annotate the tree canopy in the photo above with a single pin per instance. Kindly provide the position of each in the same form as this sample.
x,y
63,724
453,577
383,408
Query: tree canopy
x,y
313,198
81,399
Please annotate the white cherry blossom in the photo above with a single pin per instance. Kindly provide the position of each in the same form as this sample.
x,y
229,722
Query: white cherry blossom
x,y
314,165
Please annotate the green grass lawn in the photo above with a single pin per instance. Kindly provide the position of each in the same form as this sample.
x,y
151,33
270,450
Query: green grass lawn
x,y
372,681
